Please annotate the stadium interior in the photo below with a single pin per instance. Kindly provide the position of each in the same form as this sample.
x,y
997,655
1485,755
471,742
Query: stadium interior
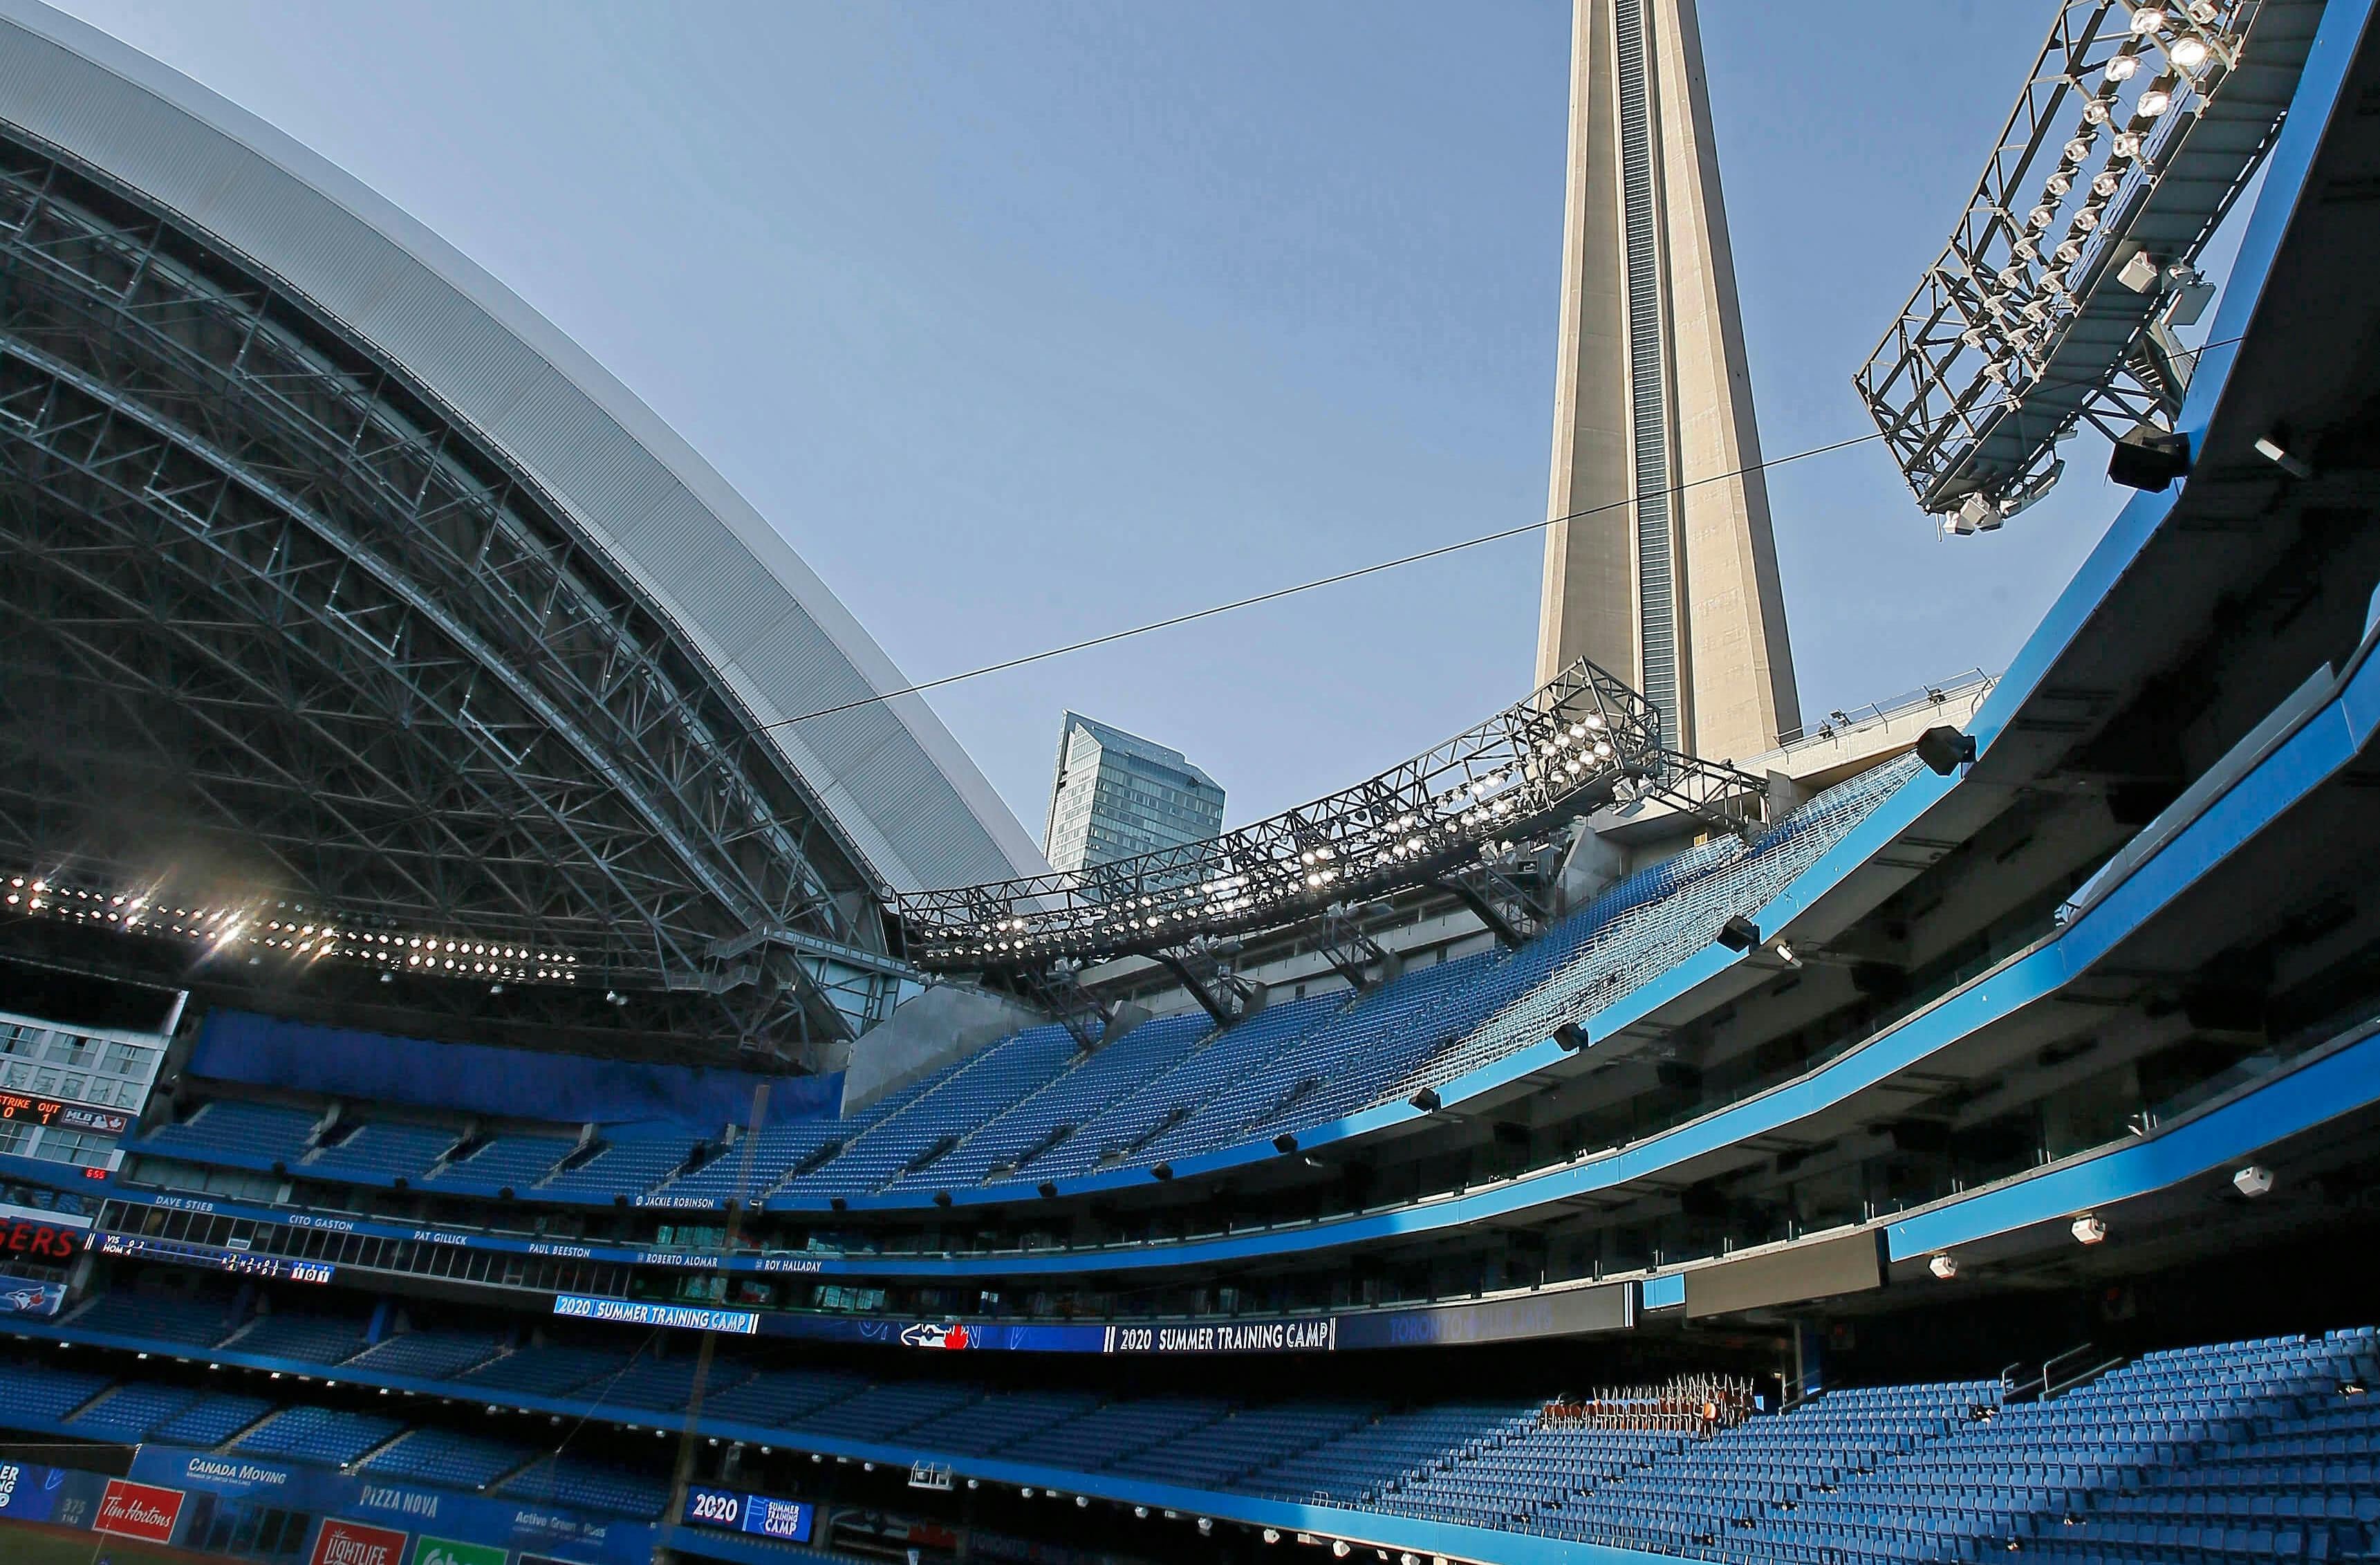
x,y
470,1075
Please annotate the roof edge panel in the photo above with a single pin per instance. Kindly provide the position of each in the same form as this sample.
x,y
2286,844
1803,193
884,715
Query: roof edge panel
x,y
1002,848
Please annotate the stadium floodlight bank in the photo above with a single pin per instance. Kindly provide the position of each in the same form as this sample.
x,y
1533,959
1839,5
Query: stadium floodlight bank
x,y
2059,295
1563,751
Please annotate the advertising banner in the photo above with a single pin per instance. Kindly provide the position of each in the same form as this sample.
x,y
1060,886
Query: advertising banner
x,y
31,1239
446,1551
1556,1313
352,1543
29,1493
635,1311
30,1296
138,1510
371,1511
726,1508
62,1497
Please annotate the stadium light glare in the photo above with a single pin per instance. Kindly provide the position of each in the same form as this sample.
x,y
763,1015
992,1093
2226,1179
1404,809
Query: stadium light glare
x,y
2147,19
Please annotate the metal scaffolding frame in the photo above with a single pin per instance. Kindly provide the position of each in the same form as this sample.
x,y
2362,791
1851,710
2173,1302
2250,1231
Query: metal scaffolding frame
x,y
284,628
1559,753
2055,301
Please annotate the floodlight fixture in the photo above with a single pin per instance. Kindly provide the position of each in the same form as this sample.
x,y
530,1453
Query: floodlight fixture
x,y
1557,754
2273,451
2019,330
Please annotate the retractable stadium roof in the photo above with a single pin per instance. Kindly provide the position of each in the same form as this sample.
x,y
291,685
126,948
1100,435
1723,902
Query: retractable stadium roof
x,y
338,575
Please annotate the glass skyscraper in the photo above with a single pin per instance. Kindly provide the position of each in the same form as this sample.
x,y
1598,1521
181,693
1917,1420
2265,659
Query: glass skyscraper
x,y
1117,794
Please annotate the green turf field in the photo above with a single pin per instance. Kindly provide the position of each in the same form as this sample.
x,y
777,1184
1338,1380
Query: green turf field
x,y
22,1545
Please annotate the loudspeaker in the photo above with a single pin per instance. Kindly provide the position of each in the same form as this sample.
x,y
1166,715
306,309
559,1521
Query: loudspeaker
x,y
2149,458
1944,749
1738,933
1284,1145
1426,1100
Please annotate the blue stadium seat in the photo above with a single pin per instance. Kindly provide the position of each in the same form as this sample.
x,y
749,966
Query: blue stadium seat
x,y
330,1437
447,1456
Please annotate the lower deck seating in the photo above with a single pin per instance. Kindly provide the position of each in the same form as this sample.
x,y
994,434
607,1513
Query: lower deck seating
x,y
445,1456
323,1435
574,1480
2259,1452
315,1339
130,1413
155,1318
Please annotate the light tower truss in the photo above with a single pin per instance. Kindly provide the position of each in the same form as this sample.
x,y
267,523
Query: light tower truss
x,y
1562,752
2058,293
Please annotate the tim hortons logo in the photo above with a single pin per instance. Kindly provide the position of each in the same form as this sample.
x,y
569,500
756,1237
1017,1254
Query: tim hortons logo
x,y
137,1510
346,1543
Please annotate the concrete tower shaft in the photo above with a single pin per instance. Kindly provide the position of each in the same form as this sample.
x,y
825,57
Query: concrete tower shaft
x,y
1677,587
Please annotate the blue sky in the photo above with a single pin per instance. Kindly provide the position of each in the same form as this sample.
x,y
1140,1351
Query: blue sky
x,y
1026,322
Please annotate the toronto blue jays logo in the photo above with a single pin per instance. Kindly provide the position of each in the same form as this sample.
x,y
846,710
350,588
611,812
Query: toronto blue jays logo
x,y
927,1334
